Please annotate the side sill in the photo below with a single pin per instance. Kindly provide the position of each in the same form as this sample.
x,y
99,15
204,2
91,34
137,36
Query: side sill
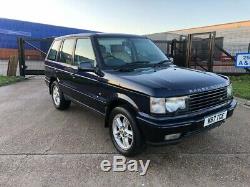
x,y
85,106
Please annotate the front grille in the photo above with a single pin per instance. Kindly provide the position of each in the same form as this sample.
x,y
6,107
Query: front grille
x,y
207,99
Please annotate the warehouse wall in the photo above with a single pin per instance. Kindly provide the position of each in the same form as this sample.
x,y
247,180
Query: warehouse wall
x,y
236,36
11,30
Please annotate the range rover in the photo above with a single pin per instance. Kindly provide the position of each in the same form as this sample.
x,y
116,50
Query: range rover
x,y
143,97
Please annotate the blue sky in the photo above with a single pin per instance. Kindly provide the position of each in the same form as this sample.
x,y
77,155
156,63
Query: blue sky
x,y
127,16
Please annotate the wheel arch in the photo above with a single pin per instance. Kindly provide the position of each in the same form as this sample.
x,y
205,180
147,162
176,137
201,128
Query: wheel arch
x,y
120,100
51,80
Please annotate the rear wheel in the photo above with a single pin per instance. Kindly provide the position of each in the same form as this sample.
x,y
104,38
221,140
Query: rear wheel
x,y
124,132
58,98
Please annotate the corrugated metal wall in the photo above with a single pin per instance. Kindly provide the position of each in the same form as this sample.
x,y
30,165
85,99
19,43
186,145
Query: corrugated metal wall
x,y
11,29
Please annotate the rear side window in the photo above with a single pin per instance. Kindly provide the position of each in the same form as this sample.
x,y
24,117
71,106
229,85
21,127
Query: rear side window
x,y
67,51
84,52
54,50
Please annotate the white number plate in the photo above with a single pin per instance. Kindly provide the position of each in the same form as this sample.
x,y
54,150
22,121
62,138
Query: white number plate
x,y
215,118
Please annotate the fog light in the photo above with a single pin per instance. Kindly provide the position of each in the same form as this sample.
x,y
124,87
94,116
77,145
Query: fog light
x,y
172,136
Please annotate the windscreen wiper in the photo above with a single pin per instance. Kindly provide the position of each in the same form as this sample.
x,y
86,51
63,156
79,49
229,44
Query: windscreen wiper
x,y
132,65
164,61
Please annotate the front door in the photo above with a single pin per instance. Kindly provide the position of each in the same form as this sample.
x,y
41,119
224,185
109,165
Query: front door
x,y
87,86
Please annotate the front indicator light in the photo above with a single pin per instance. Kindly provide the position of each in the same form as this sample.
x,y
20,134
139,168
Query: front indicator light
x,y
157,105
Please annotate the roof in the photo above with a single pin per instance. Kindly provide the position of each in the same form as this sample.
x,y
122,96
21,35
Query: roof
x,y
100,34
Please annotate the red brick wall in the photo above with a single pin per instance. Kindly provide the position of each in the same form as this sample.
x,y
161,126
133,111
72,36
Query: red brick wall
x,y
29,54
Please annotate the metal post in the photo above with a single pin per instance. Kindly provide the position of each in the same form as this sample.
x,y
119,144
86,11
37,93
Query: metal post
x,y
21,56
168,48
211,51
188,50
173,48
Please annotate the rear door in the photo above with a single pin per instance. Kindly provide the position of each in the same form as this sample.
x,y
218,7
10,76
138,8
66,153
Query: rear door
x,y
50,61
65,68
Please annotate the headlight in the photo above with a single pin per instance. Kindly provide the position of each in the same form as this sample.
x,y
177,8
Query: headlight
x,y
229,91
162,105
157,105
176,103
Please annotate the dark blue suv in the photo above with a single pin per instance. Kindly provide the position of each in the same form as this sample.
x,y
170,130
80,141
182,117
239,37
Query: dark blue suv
x,y
143,97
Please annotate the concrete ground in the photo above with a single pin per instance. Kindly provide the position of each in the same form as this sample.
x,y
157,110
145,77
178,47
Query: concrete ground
x,y
41,146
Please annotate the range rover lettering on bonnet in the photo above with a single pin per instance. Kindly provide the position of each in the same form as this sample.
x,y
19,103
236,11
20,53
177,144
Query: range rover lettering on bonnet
x,y
204,89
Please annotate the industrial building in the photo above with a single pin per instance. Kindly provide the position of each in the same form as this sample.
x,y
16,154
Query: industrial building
x,y
10,30
235,36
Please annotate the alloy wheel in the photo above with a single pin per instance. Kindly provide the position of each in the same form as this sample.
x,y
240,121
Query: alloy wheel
x,y
122,132
56,95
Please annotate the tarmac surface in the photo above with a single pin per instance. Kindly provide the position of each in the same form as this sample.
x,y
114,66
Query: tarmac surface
x,y
41,146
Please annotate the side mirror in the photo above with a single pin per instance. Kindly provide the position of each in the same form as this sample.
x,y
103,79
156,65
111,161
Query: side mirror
x,y
86,66
171,59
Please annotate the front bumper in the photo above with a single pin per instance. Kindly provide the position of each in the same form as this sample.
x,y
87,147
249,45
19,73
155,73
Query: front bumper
x,y
155,129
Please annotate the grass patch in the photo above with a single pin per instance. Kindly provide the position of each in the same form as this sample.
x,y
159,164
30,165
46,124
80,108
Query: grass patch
x,y
241,86
4,80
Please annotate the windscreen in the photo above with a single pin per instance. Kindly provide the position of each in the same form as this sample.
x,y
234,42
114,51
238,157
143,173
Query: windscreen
x,y
119,51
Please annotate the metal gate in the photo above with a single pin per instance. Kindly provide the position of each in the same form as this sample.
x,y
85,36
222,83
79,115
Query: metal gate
x,y
192,51
204,51
31,54
178,52
165,46
175,49
200,50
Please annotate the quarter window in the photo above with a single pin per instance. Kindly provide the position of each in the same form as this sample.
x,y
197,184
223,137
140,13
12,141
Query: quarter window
x,y
67,51
54,50
84,52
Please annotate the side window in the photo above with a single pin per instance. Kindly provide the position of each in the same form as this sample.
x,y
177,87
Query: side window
x,y
67,51
54,50
84,52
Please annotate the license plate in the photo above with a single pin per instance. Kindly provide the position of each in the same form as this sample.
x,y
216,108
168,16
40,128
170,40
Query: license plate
x,y
215,118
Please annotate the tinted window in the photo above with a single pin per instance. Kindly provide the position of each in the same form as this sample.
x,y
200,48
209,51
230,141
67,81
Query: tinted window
x,y
54,50
84,52
67,51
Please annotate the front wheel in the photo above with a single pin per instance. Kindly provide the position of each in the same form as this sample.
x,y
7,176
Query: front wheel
x,y
124,132
58,98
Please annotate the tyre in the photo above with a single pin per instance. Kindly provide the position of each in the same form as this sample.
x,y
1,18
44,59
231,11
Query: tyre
x,y
57,97
124,132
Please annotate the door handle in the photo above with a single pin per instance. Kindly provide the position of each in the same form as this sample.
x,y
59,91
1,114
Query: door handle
x,y
73,75
55,70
